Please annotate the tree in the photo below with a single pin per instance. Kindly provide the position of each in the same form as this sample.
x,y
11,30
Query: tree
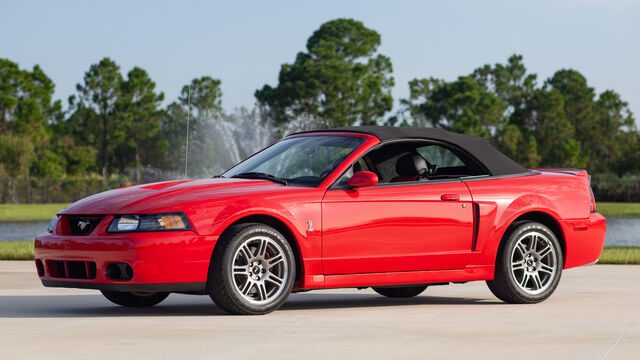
x,y
601,125
561,124
16,156
139,108
204,95
26,112
10,84
95,107
509,82
619,147
553,132
205,149
172,134
462,106
500,103
578,99
339,80
77,159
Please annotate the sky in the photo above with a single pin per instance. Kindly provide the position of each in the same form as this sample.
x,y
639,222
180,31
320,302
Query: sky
x,y
244,43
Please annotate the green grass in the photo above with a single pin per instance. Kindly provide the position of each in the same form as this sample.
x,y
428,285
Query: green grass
x,y
29,212
620,255
619,209
23,250
16,250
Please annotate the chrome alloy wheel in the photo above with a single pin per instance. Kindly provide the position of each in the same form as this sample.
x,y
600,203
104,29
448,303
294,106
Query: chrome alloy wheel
x,y
260,270
534,263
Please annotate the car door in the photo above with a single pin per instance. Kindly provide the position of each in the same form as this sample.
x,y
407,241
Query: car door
x,y
397,227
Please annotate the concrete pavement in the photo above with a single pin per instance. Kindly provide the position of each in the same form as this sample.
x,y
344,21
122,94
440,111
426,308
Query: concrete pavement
x,y
594,314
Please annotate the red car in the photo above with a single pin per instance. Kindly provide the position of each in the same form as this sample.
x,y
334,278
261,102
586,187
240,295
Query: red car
x,y
395,209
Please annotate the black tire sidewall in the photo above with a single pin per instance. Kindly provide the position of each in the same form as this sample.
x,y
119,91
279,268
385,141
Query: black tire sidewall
x,y
230,246
400,292
129,299
505,260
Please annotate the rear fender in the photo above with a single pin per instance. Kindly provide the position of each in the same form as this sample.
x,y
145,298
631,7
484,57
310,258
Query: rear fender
x,y
495,222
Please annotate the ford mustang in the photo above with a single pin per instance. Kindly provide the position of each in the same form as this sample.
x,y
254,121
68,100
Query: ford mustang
x,y
394,209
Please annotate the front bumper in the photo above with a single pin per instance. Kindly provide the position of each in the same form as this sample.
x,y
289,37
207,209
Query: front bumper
x,y
584,239
160,261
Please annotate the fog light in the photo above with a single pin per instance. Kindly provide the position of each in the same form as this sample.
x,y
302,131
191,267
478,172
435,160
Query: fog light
x,y
119,271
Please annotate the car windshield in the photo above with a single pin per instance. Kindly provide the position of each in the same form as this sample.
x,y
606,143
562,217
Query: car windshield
x,y
304,160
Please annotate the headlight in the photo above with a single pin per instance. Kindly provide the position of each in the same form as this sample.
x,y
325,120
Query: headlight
x,y
151,222
52,224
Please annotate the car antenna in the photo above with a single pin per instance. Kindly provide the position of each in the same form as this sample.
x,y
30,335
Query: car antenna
x,y
186,153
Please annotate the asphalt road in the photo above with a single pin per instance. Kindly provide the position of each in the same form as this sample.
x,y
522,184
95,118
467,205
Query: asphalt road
x,y
594,314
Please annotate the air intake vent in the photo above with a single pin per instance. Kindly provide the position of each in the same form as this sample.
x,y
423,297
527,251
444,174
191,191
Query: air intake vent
x,y
71,269
84,225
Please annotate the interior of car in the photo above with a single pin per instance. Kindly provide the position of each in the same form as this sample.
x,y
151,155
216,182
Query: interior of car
x,y
409,161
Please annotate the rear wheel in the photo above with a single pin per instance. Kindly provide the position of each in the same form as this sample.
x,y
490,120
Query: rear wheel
x,y
528,266
252,270
135,299
400,292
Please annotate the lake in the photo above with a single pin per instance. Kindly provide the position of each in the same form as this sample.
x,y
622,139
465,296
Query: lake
x,y
620,231
22,230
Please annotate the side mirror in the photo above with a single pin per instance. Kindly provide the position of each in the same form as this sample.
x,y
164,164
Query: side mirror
x,y
363,179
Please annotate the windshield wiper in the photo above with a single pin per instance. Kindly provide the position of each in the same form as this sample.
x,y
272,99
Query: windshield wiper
x,y
261,176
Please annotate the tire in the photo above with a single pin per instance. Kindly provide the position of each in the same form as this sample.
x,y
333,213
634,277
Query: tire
x,y
529,264
134,299
400,292
252,270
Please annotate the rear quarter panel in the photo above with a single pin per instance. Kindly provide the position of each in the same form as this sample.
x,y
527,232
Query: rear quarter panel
x,y
501,200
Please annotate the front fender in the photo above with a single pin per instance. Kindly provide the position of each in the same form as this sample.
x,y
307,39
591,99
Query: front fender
x,y
294,213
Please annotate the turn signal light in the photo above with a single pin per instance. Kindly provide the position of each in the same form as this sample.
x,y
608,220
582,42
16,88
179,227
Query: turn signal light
x,y
171,222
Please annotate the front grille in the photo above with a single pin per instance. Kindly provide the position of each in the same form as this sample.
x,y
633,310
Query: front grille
x,y
71,269
84,225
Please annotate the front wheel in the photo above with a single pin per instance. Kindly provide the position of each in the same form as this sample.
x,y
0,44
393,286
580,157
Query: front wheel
x,y
400,292
252,270
528,266
135,299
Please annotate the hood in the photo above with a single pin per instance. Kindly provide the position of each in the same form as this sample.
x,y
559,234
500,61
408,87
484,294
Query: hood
x,y
166,196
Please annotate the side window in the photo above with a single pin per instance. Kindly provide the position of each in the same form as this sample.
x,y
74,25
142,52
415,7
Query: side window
x,y
410,161
360,165
438,155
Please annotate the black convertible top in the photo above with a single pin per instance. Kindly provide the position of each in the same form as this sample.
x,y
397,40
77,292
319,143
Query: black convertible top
x,y
496,162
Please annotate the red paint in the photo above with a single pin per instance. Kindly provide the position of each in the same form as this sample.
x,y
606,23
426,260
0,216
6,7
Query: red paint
x,y
363,179
401,233
449,197
584,239
396,228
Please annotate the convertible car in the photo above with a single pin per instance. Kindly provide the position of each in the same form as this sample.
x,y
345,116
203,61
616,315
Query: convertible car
x,y
394,209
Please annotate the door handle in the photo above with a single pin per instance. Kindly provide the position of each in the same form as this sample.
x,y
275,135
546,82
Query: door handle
x,y
449,197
